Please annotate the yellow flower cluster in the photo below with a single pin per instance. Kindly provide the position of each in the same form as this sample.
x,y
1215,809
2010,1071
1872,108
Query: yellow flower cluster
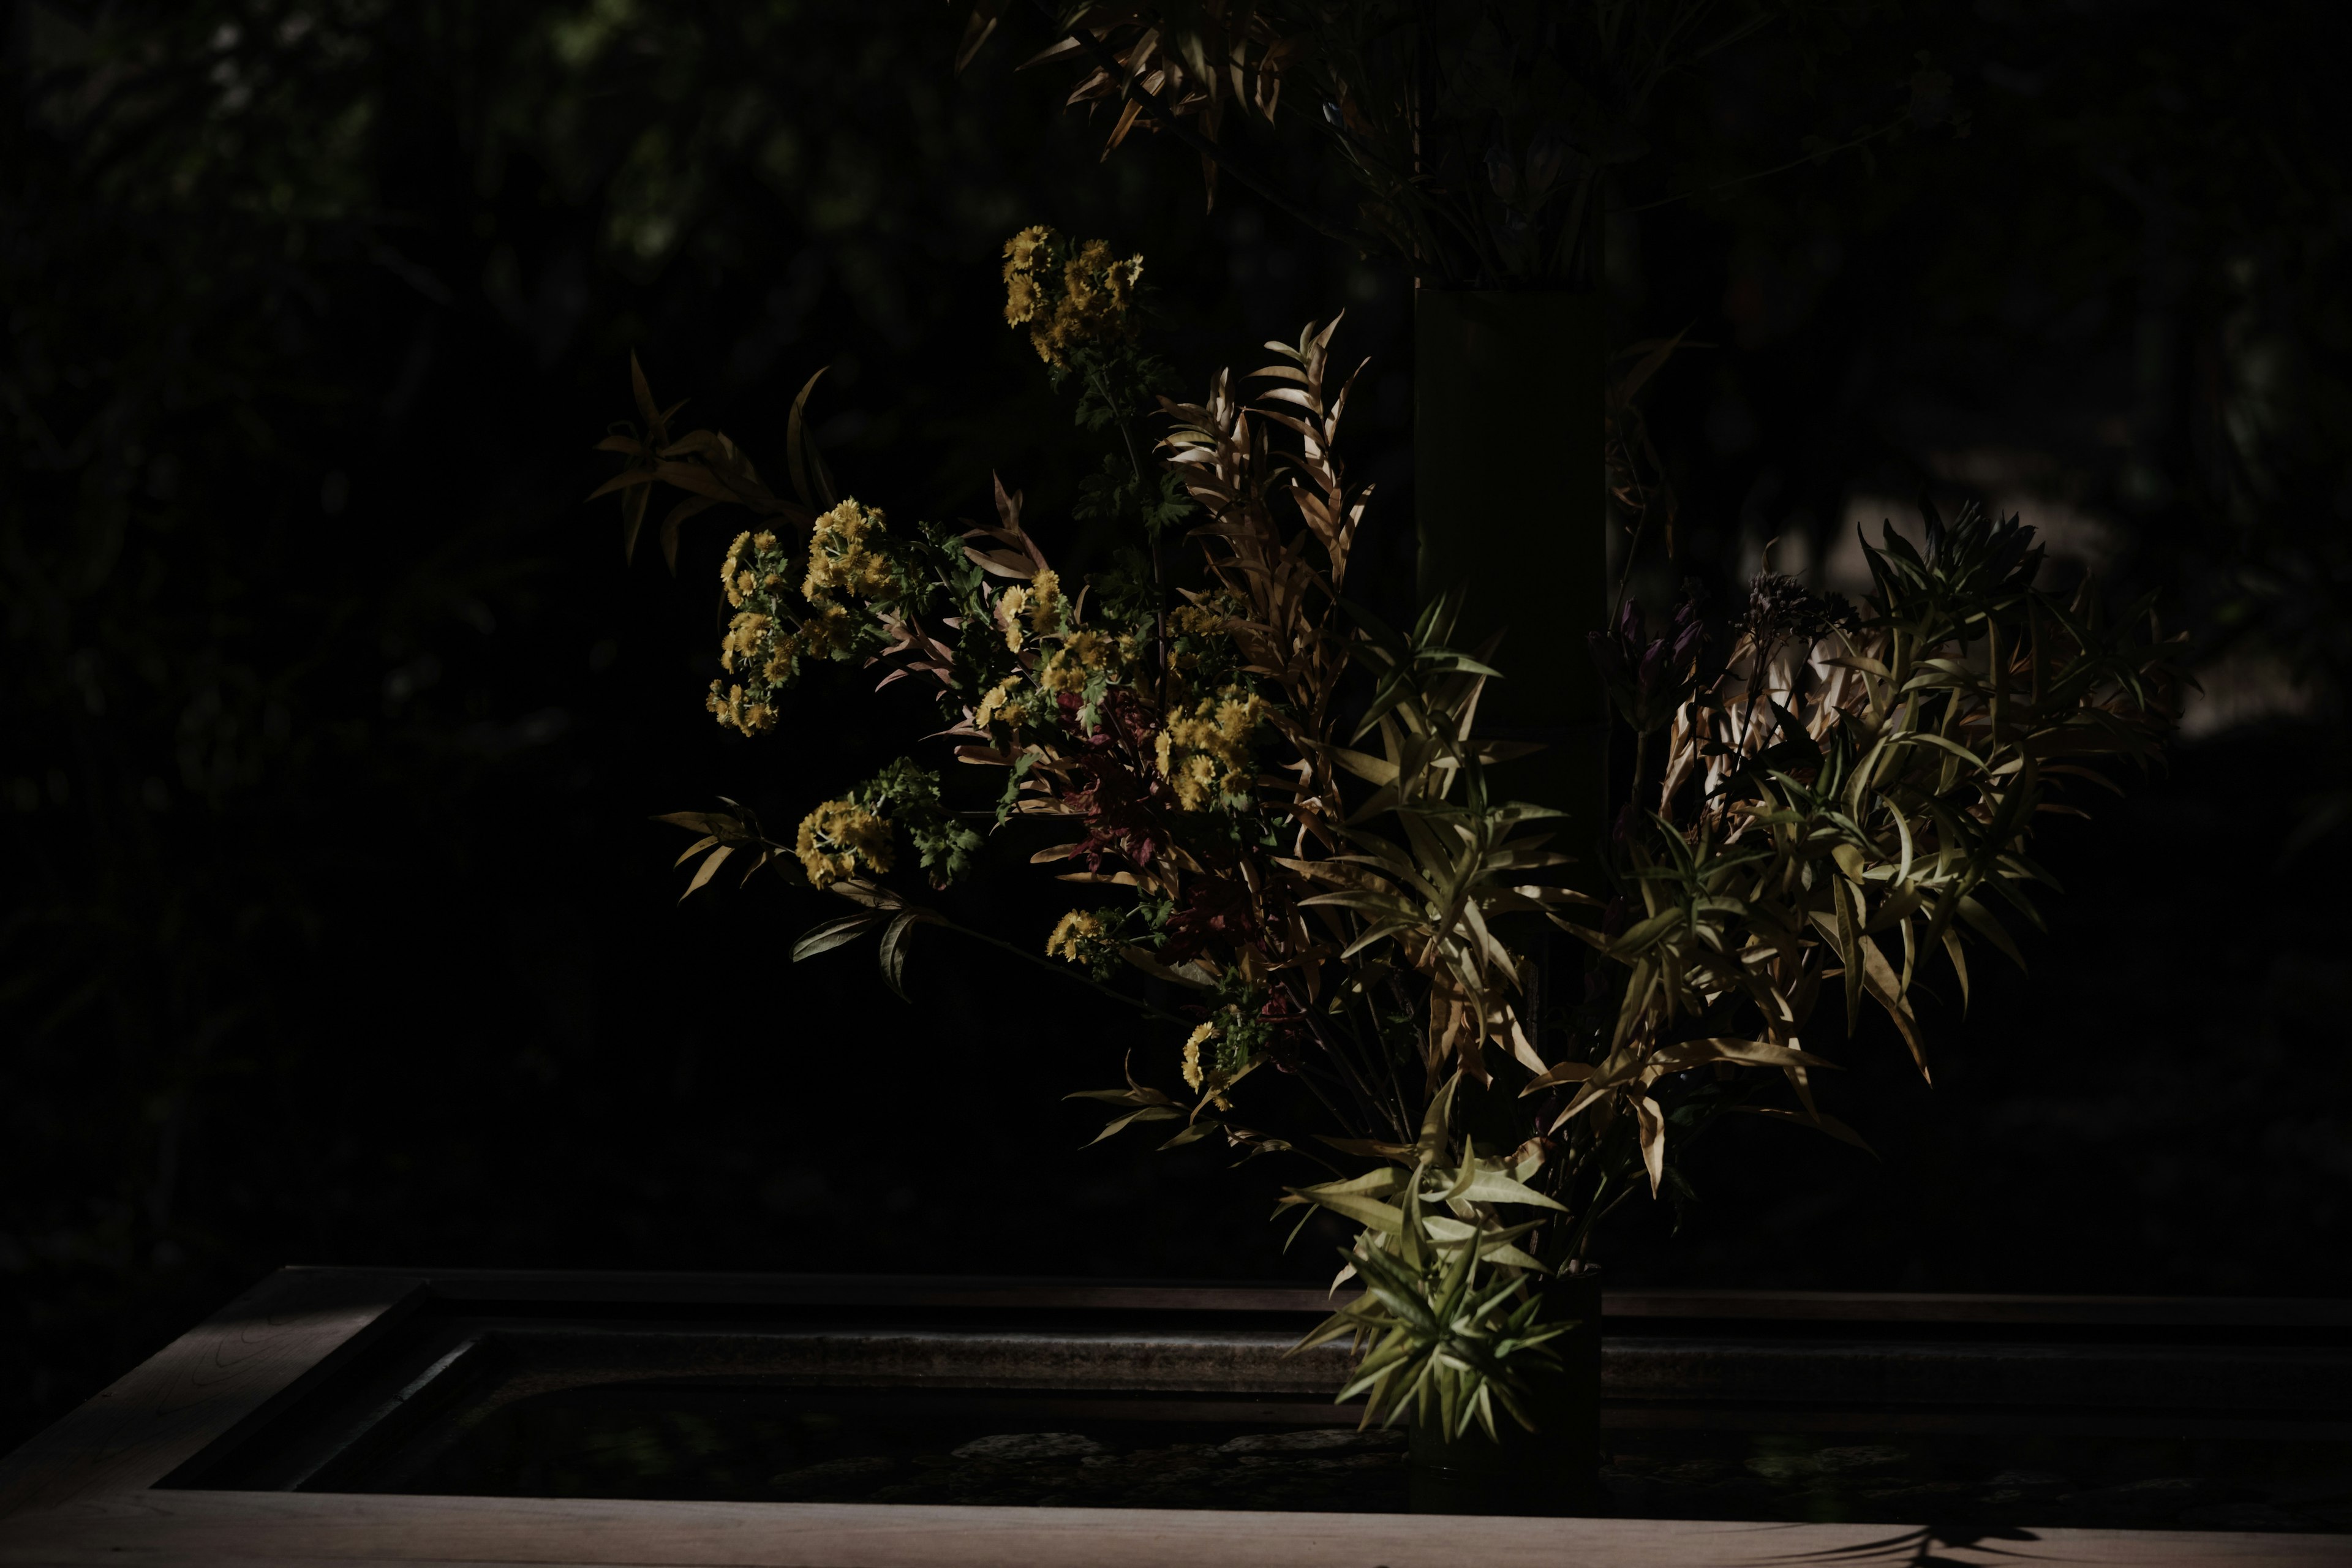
x,y
836,836
1068,299
1213,740
744,578
737,709
1071,933
1205,1035
1026,255
1200,620
1083,655
763,647
999,706
1037,601
841,562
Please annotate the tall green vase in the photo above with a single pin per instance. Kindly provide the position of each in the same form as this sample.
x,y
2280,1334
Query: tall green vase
x,y
1552,1470
1511,501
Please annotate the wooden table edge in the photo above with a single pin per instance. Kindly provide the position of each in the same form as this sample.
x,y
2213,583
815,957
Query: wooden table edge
x,y
83,1490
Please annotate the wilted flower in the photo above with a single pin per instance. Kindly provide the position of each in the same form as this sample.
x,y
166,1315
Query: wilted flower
x,y
1781,609
1651,678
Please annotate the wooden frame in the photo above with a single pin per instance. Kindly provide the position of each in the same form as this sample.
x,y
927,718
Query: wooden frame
x,y
86,1491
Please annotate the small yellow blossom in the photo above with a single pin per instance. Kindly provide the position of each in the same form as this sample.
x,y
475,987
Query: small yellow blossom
x,y
773,630
1212,738
836,836
1009,605
1043,598
1205,1035
1087,299
730,571
1196,782
1020,252
745,634
825,630
1198,620
1086,653
1077,927
726,702
1021,298
999,708
841,560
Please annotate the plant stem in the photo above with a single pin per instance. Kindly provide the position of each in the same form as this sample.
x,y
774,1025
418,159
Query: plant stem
x,y
1167,119
1151,537
1083,978
1369,1101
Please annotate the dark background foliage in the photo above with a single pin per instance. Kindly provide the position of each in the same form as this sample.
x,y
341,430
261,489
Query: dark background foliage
x,y
333,927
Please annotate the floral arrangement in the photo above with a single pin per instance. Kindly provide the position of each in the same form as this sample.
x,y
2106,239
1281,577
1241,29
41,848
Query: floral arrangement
x,y
1284,810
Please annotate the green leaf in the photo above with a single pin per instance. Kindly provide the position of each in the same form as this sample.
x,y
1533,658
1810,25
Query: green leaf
x,y
893,953
832,934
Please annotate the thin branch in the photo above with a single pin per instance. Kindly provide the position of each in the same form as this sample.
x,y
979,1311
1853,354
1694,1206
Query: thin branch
x,y
1169,120
1065,972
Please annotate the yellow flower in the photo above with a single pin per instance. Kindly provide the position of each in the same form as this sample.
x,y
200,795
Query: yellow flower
x,y
840,559
1020,298
835,837
726,702
1198,620
998,707
1043,598
1214,737
730,571
1023,293
1088,299
1236,717
1077,927
1087,653
1008,615
1201,1037
1196,783
744,634
1020,250
764,647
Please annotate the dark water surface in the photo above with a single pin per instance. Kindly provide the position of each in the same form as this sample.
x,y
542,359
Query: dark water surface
x,y
860,1445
